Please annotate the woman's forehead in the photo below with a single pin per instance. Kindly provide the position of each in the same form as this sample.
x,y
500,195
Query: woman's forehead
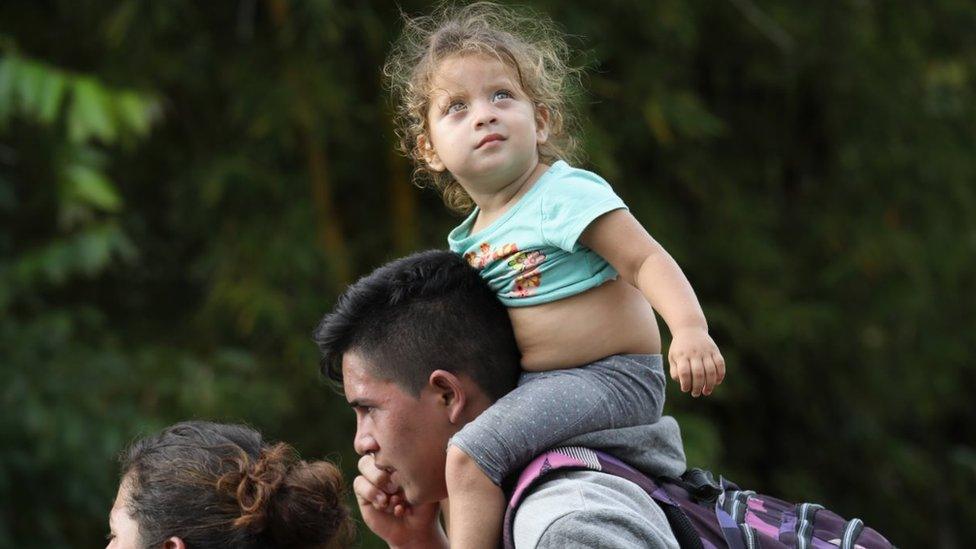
x,y
119,518
122,495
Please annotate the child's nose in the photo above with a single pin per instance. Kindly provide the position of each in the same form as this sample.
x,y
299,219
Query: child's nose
x,y
484,115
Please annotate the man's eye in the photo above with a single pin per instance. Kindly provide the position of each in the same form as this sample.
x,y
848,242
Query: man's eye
x,y
454,107
502,94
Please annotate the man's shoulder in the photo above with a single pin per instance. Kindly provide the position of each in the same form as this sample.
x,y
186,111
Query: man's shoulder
x,y
590,509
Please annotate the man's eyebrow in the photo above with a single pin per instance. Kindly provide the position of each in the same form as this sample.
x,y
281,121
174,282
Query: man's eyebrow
x,y
357,402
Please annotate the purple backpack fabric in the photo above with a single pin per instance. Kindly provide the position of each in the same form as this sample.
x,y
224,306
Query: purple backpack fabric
x,y
707,514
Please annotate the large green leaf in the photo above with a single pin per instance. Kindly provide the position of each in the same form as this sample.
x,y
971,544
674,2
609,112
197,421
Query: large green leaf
x,y
90,186
50,92
90,115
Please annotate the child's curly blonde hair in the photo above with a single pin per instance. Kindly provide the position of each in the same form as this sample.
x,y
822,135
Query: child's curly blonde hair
x,y
527,42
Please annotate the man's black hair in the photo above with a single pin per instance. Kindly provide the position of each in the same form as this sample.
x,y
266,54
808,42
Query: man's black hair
x,y
424,312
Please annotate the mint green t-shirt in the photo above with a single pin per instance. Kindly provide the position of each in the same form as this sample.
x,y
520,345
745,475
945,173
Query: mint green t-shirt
x,y
530,255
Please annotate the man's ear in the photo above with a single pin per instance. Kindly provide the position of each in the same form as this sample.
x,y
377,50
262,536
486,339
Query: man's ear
x,y
541,123
428,153
450,393
174,543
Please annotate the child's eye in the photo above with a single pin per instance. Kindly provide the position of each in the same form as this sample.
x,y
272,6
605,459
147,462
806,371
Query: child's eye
x,y
502,94
454,107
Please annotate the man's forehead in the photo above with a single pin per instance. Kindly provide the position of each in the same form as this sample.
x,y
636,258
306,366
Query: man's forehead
x,y
359,379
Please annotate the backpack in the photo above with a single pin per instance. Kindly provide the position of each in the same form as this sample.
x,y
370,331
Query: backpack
x,y
706,514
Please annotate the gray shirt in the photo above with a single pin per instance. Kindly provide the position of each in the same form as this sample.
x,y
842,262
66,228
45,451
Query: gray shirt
x,y
594,509
591,509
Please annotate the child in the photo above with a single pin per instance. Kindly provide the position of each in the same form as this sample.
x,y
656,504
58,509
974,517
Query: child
x,y
483,112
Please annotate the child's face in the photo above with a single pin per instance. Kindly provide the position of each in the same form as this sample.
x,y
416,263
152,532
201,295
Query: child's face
x,y
483,128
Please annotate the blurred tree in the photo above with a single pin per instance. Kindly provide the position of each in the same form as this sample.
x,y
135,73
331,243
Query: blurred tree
x,y
186,186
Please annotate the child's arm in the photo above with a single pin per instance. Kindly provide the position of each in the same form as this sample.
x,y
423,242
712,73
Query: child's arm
x,y
694,358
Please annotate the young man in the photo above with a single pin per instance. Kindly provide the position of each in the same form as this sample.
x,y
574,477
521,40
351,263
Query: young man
x,y
422,346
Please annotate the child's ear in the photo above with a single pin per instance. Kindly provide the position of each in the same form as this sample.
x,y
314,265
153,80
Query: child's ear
x,y
541,123
428,153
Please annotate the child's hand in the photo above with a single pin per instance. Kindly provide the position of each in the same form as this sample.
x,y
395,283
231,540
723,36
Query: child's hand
x,y
696,361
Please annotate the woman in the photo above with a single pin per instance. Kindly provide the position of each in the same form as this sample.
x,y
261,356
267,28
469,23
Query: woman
x,y
199,485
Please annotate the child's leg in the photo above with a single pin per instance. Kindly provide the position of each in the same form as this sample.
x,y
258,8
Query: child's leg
x,y
476,505
550,407
546,409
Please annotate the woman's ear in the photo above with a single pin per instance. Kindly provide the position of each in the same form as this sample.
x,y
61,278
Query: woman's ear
x,y
449,392
541,123
428,153
174,543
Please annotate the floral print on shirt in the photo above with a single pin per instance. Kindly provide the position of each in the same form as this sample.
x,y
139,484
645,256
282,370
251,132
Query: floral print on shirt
x,y
525,265
486,254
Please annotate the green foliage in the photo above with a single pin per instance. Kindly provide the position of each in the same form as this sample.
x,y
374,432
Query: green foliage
x,y
185,187
93,110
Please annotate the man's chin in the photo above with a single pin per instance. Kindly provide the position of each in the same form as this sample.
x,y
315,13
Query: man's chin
x,y
421,497
417,499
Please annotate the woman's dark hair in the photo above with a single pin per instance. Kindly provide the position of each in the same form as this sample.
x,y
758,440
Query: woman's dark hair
x,y
219,486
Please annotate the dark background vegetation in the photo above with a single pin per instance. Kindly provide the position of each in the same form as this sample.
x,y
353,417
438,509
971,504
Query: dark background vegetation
x,y
186,186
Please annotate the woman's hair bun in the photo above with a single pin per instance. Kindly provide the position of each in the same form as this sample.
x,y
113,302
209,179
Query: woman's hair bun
x,y
308,506
290,502
254,482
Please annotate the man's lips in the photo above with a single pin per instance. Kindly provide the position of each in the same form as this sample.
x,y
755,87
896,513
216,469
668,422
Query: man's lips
x,y
386,468
489,138
392,486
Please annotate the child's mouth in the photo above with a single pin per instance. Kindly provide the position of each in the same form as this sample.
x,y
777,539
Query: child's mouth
x,y
489,139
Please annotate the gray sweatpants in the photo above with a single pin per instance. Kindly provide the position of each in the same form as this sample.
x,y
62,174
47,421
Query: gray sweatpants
x,y
549,407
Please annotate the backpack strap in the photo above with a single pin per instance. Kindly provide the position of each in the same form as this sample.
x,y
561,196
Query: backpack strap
x,y
738,504
701,484
851,531
571,458
568,458
749,535
804,531
577,458
734,536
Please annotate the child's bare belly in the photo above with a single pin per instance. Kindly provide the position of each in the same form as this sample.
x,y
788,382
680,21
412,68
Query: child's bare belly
x,y
611,319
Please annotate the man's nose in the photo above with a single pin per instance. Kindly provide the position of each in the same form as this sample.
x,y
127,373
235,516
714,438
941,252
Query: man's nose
x,y
364,443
